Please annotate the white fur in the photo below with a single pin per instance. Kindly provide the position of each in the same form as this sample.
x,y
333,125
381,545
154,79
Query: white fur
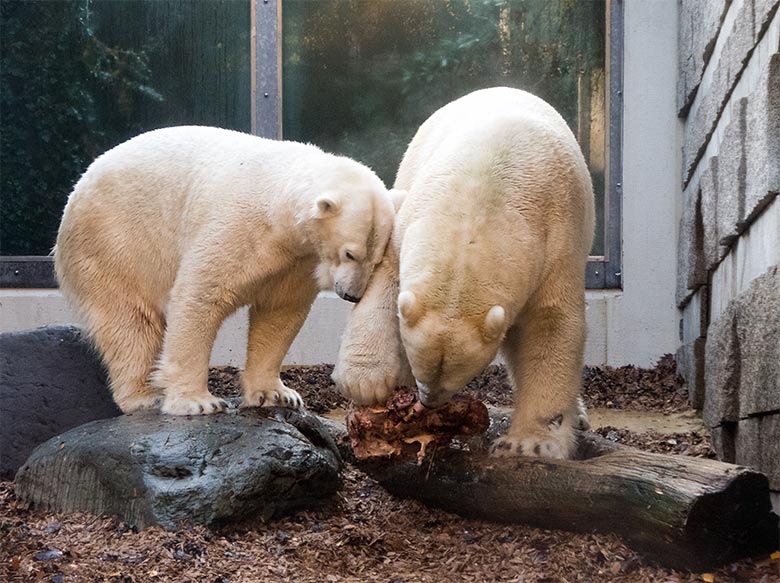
x,y
169,233
488,253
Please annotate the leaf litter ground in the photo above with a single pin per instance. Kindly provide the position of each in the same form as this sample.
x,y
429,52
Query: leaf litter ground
x,y
364,534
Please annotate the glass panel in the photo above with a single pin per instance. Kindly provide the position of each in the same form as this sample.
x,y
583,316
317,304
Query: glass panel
x,y
79,76
360,76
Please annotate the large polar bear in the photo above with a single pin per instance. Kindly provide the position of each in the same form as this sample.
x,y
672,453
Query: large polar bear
x,y
488,252
167,234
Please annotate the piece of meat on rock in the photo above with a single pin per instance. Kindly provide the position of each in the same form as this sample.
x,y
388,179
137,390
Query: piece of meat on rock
x,y
405,427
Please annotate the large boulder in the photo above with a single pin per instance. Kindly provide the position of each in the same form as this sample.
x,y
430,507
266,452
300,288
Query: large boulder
x,y
51,380
160,470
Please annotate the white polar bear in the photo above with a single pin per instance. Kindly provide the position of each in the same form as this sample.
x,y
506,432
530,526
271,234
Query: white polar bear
x,y
167,234
488,252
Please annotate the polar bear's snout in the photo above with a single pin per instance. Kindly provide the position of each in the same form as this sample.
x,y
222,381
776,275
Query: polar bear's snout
x,y
432,398
445,353
351,279
344,295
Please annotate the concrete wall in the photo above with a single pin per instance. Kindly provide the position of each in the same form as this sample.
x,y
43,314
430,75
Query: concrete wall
x,y
317,342
728,284
635,325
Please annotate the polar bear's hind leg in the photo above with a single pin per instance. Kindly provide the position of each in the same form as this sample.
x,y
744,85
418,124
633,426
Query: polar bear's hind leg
x,y
129,336
544,355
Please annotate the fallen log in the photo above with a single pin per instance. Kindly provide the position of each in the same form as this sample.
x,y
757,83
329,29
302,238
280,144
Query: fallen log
x,y
682,512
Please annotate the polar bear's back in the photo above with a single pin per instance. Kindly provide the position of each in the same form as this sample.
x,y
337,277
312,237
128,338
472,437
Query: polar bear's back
x,y
511,144
501,168
147,200
499,123
159,169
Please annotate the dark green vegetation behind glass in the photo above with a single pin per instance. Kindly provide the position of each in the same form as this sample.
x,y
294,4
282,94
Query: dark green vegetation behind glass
x,y
80,76
360,76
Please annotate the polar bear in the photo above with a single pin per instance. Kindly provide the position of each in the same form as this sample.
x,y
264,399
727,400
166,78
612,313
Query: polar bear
x,y
167,234
488,253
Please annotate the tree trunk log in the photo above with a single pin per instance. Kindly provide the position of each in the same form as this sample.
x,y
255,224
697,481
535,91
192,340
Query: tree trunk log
x,y
682,512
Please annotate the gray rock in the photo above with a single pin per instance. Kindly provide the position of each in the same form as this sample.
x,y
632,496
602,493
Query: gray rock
x,y
338,431
764,11
731,178
699,23
763,142
733,58
691,272
724,441
742,354
690,366
758,446
758,329
695,316
709,213
51,380
696,134
722,369
160,470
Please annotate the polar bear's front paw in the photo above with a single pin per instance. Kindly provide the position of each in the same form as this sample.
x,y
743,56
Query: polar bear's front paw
x,y
554,440
276,396
366,390
193,405
370,385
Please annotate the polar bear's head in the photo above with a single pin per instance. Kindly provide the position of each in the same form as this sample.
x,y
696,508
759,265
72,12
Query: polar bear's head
x,y
353,219
445,349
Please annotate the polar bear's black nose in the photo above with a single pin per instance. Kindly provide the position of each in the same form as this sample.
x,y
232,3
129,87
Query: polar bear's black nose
x,y
350,298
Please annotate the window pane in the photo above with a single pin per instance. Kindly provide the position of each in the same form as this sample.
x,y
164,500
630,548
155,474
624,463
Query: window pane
x,y
360,76
79,76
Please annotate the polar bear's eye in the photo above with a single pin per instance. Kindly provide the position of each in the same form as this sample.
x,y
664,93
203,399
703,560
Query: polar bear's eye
x,y
350,256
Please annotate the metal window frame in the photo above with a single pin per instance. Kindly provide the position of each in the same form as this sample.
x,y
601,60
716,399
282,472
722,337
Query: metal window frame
x,y
605,272
27,272
602,272
267,72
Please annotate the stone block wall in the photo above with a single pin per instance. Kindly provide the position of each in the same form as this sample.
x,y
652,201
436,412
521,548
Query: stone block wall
x,y
728,274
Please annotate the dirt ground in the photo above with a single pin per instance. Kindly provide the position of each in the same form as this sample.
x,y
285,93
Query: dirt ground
x,y
364,534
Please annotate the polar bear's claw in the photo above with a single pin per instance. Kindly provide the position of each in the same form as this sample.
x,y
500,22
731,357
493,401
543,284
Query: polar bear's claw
x,y
581,420
555,445
199,405
219,407
278,396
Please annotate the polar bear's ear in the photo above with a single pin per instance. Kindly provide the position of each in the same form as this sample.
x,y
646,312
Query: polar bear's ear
x,y
495,322
326,205
397,197
408,307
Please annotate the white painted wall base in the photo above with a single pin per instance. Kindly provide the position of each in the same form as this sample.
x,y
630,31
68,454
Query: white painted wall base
x,y
318,342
